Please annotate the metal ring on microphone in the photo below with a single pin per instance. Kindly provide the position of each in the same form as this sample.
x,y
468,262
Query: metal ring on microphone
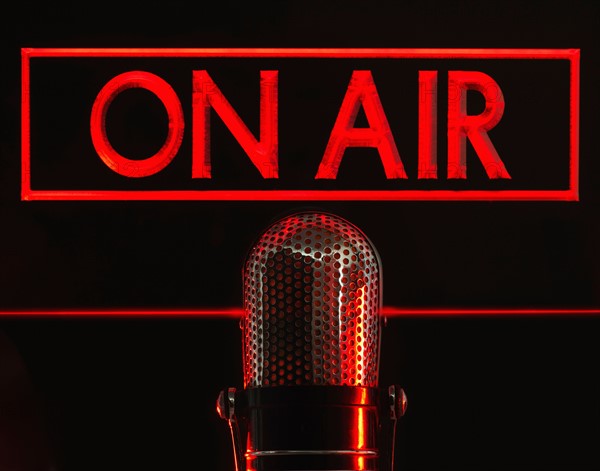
x,y
257,454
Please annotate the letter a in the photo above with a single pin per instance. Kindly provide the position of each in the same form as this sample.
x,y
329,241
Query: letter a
x,y
361,92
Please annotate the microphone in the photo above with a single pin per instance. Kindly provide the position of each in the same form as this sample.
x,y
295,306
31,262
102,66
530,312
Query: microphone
x,y
311,338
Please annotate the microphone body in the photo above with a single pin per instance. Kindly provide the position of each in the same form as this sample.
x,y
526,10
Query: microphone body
x,y
311,335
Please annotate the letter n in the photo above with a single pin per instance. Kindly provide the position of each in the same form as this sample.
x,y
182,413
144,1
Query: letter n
x,y
262,152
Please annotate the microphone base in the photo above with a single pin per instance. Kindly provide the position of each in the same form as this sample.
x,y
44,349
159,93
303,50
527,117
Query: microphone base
x,y
311,463
324,428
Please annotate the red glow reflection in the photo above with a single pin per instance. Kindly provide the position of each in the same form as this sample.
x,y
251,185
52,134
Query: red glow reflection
x,y
361,439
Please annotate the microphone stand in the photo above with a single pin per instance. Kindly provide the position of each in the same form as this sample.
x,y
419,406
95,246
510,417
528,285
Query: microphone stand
x,y
263,407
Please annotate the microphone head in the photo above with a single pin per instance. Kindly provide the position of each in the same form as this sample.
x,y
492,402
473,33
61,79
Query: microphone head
x,y
312,304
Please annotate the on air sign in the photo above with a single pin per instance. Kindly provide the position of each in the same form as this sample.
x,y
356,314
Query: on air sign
x,y
300,124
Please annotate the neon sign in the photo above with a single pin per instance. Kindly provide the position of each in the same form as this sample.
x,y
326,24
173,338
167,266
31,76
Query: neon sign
x,y
506,167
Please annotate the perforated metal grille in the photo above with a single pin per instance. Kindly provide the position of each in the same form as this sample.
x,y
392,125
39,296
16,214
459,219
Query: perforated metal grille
x,y
312,299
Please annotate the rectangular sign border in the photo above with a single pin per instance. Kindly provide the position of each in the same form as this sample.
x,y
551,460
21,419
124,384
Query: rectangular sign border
x,y
571,194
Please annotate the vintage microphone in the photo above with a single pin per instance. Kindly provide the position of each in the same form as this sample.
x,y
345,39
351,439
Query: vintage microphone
x,y
311,334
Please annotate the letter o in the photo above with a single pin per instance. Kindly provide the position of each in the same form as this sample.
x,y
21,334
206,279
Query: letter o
x,y
168,97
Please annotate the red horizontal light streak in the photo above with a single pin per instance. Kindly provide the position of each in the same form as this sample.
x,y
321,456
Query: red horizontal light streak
x,y
458,312
233,312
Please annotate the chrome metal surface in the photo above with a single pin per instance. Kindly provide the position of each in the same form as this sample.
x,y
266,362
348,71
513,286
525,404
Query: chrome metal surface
x,y
255,454
312,303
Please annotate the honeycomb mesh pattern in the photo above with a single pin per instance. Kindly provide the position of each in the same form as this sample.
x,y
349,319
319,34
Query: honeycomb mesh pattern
x,y
312,300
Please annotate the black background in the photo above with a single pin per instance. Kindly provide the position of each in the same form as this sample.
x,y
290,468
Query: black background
x,y
510,393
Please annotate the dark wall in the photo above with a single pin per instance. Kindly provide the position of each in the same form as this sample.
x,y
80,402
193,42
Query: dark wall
x,y
511,393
